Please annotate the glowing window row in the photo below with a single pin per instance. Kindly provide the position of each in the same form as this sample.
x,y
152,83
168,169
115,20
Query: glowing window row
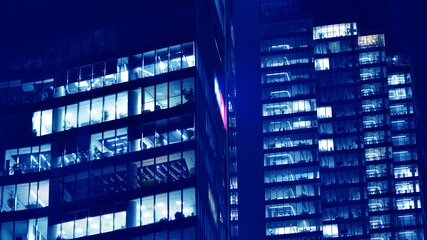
x,y
293,227
291,157
289,124
167,95
338,144
373,121
113,106
290,175
161,207
101,145
405,171
397,79
379,187
285,60
407,187
281,108
376,137
371,41
296,74
287,141
378,170
295,90
25,196
321,64
38,229
336,30
371,57
102,74
84,113
373,105
27,159
292,209
294,191
324,112
377,154
400,93
131,68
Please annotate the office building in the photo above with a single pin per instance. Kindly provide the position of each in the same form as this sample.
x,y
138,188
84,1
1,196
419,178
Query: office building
x,y
114,120
232,145
339,139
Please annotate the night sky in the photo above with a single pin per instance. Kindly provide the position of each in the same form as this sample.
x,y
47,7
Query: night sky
x,y
406,22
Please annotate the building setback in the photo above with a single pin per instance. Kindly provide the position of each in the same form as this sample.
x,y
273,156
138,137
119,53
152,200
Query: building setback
x,y
339,141
115,126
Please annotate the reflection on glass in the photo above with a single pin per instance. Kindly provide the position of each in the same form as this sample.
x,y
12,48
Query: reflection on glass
x,y
162,61
147,211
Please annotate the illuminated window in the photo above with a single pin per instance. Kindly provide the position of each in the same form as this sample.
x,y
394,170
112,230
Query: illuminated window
x,y
371,41
42,122
330,230
321,64
397,79
324,112
336,30
326,145
400,93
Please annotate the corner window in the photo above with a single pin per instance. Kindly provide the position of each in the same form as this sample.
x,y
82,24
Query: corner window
x,y
188,56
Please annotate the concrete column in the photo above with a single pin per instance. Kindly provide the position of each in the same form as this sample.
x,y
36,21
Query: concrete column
x,y
58,119
132,172
133,103
53,232
131,213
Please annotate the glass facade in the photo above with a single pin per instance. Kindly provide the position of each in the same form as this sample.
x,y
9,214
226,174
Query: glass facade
x,y
99,75
291,173
120,136
339,141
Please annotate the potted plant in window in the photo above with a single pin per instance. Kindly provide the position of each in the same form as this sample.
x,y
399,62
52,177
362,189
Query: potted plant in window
x,y
188,95
160,139
190,133
96,153
18,169
122,115
179,215
11,200
82,156
106,115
